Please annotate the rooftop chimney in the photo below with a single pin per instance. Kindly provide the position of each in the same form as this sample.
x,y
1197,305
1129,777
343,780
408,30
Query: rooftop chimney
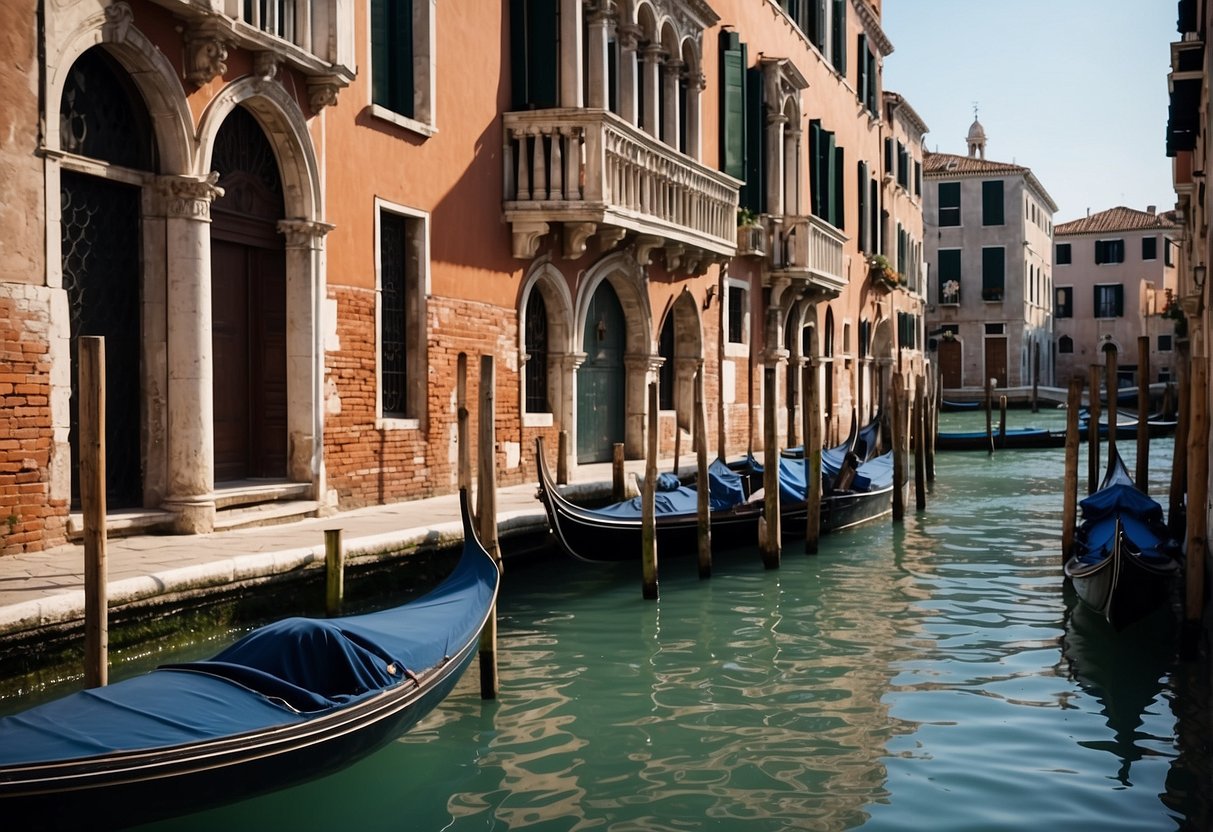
x,y
1150,209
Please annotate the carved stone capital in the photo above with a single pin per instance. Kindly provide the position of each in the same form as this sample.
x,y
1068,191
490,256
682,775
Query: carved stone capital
x,y
609,235
629,36
303,233
189,197
673,255
205,53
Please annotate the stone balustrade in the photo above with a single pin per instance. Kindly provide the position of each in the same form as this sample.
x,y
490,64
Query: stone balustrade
x,y
812,250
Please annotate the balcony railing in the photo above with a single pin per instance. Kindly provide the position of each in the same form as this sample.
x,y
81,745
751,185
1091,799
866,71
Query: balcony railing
x,y
596,173
811,250
751,240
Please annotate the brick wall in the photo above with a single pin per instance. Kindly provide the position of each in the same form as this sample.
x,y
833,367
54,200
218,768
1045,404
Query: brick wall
x,y
29,519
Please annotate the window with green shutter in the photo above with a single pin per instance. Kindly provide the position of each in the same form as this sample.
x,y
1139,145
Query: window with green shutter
x,y
732,105
753,193
1063,302
838,215
839,39
392,55
874,215
1149,248
903,166
949,203
1109,300
862,207
1109,251
1063,254
992,203
993,272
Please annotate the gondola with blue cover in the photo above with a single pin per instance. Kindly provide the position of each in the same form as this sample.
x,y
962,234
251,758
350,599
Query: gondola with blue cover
x,y
289,702
1123,563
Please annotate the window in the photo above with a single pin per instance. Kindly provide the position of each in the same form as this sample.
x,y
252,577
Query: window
x,y
865,64
1109,301
1063,254
996,329
401,315
1063,302
1149,248
890,161
738,312
992,203
993,272
839,37
1065,345
1164,343
826,172
665,373
1109,251
917,178
949,203
536,367
862,212
1166,252
402,77
903,166
949,275
733,105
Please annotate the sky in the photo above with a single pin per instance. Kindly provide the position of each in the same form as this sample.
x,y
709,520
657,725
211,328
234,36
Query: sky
x,y
1076,90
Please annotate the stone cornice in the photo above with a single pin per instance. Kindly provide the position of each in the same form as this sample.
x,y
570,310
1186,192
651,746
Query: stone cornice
x,y
871,25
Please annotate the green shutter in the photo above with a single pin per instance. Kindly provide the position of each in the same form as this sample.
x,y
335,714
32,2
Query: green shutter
x,y
380,76
840,37
861,67
862,207
817,25
732,105
1120,301
753,195
837,191
992,203
874,219
949,265
816,183
993,270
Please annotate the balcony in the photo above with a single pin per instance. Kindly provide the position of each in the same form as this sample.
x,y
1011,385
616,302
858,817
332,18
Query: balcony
x,y
599,176
809,253
751,240
313,37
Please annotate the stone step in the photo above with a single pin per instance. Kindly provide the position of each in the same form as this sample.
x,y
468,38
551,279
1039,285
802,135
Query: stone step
x,y
249,516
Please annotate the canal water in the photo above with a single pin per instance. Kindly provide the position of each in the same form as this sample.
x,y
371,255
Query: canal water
x,y
934,675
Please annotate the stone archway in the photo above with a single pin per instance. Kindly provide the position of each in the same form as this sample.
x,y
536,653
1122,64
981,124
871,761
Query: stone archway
x,y
547,285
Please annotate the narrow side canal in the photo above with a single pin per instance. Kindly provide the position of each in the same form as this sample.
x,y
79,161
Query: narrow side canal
x,y
934,675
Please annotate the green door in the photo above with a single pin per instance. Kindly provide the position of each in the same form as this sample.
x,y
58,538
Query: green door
x,y
600,378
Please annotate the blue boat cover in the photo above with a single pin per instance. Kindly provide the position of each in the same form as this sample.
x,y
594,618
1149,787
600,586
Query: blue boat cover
x,y
724,491
1120,498
278,675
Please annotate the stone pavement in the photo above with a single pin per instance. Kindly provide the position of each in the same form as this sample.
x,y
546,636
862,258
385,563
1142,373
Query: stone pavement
x,y
45,590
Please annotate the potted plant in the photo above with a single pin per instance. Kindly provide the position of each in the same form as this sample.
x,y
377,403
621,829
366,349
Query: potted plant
x,y
882,270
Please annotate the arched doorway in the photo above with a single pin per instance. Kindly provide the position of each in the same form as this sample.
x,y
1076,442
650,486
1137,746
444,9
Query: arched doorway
x,y
600,379
248,297
103,117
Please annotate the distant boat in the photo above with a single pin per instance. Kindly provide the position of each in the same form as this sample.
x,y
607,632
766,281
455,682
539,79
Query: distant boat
x,y
289,702
1123,561
949,406
1013,438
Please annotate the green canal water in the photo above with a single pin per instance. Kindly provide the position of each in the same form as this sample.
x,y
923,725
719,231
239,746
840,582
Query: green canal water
x,y
933,676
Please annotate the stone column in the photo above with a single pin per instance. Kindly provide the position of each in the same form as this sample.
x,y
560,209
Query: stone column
x,y
791,171
599,74
191,430
775,163
697,82
570,53
628,91
305,294
650,121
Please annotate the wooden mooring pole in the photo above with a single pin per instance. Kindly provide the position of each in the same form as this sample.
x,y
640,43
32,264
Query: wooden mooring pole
x,y
932,422
1112,386
769,538
1002,421
463,450
92,499
1143,409
897,419
990,415
1069,510
1093,466
334,572
1176,522
1035,375
486,506
618,488
811,416
562,458
1197,538
648,512
918,427
702,484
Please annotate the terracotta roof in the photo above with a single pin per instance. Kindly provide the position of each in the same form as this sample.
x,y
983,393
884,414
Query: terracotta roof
x,y
1119,218
945,164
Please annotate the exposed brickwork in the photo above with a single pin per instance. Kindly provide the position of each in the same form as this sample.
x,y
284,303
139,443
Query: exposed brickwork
x,y
368,464
29,520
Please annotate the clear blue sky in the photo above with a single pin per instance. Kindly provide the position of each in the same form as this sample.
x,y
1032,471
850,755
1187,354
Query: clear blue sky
x,y
1074,89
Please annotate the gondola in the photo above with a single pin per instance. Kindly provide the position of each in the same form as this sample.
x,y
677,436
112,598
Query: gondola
x,y
1123,562
1019,438
613,532
958,407
288,702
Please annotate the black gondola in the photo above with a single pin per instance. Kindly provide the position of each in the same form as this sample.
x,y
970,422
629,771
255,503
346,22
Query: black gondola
x,y
1123,562
287,703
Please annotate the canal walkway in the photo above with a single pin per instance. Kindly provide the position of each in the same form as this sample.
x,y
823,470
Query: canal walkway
x,y
44,591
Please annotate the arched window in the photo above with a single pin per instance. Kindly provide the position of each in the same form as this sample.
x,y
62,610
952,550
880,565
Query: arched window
x,y
537,354
1065,344
665,378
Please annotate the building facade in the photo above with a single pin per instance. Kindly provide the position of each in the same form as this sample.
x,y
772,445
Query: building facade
x,y
989,233
1114,282
293,222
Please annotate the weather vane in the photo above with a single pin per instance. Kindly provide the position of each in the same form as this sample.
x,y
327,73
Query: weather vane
x,y
974,111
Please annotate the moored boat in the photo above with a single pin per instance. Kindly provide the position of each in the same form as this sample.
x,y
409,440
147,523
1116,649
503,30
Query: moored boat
x,y
287,703
1123,563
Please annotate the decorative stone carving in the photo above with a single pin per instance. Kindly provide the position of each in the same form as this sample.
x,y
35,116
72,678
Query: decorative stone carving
x,y
645,243
526,237
322,91
673,255
265,66
608,236
576,235
303,233
190,197
205,53
118,20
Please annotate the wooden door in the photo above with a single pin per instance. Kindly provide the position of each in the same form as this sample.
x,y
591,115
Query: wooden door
x,y
996,361
600,380
950,364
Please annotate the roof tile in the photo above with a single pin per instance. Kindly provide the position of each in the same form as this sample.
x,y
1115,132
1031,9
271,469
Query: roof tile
x,y
1119,218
